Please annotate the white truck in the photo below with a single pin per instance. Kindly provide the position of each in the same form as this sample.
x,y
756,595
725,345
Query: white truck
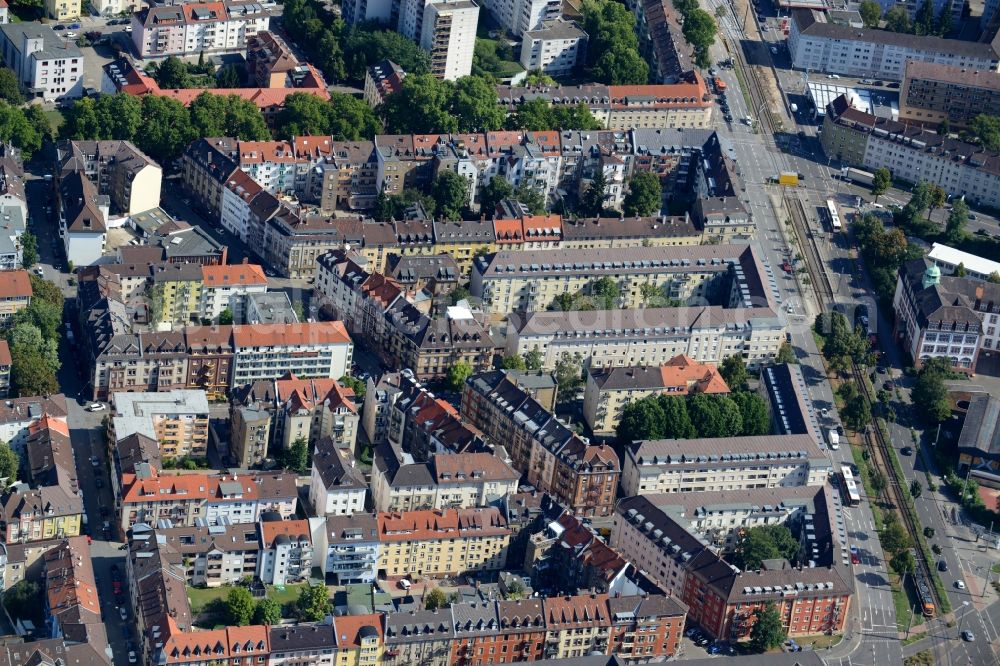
x,y
833,437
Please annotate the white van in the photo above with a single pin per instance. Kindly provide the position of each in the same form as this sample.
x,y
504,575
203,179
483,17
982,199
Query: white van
x,y
834,438
404,584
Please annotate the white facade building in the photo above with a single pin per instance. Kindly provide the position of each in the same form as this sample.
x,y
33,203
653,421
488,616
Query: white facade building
x,y
190,29
46,66
519,16
363,11
555,48
948,259
336,486
286,551
311,349
448,33
348,548
818,46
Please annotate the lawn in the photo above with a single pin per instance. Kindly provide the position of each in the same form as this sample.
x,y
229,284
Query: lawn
x,y
491,56
819,641
905,601
201,599
56,119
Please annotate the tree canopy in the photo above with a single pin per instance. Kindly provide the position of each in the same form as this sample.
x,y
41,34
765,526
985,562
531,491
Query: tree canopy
x,y
768,631
239,606
427,105
871,13
344,117
699,415
613,49
457,374
644,196
930,395
765,542
314,603
10,91
538,115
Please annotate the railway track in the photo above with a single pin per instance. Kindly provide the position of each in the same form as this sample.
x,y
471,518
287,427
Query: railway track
x,y
881,457
758,98
814,262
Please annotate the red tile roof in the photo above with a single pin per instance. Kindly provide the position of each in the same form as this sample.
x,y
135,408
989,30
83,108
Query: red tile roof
x,y
4,349
233,274
276,335
15,284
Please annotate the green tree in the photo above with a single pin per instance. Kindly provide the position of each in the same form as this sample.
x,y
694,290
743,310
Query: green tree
x,y
564,302
753,411
226,317
173,73
644,196
877,481
435,599
573,117
734,370
568,374
534,115
930,395
230,76
944,127
857,413
457,374
16,128
9,462
960,270
715,415
652,295
944,21
955,224
642,419
786,354
343,117
897,19
607,293
29,248
451,193
720,12
314,603
923,23
384,208
493,193
474,104
43,314
533,359
916,490
676,420
768,631
10,91
986,130
533,198
357,385
894,538
699,31
365,46
592,201
882,180
613,48
239,606
166,129
421,106
903,562
227,115
871,13
296,456
936,197
267,611
994,277
513,362
621,68
765,542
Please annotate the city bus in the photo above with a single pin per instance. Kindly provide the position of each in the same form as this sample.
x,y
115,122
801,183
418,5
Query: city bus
x,y
849,489
831,211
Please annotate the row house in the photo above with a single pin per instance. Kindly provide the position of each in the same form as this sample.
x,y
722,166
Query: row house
x,y
581,476
18,415
942,316
421,424
348,548
286,550
377,309
441,543
200,27
72,609
336,486
721,598
208,555
183,499
15,293
446,481
118,169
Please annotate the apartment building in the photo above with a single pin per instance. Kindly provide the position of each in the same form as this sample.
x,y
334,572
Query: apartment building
x,y
53,509
286,554
210,555
5,364
648,336
225,287
911,153
209,359
17,415
249,434
422,425
661,39
72,609
348,548
812,600
555,47
724,219
448,34
786,391
446,481
305,644
418,637
377,308
13,207
47,67
581,476
685,103
529,281
520,16
313,409
821,46
15,293
177,420
163,238
200,27
268,351
945,317
129,177
148,496
609,390
83,215
336,486
177,290
932,93
436,543
687,465
381,80
379,400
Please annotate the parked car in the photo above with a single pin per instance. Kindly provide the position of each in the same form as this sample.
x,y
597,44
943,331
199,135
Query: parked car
x,y
96,407
968,636
94,461
74,26
942,566
960,584
122,613
906,451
